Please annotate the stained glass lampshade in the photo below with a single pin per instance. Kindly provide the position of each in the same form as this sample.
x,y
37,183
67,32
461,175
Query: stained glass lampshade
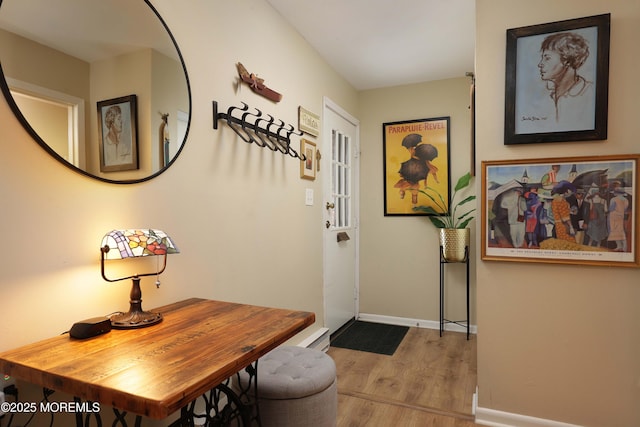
x,y
140,242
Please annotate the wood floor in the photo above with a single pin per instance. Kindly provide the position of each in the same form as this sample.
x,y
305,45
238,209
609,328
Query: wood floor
x,y
429,381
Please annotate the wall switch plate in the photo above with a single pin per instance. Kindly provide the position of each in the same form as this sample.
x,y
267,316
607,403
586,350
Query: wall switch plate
x,y
308,197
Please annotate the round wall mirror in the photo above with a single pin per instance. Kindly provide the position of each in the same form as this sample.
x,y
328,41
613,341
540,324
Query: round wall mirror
x,y
102,86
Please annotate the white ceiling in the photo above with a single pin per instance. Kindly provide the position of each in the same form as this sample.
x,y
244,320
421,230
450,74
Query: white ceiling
x,y
371,43
384,43
88,30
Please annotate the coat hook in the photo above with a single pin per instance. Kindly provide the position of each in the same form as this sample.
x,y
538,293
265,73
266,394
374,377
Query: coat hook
x,y
259,131
230,121
250,127
275,135
283,145
293,153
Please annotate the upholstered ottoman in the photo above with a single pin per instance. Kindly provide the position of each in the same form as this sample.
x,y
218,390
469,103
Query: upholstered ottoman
x,y
297,387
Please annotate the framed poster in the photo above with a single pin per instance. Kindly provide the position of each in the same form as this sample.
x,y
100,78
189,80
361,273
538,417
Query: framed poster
x,y
415,155
557,81
118,134
576,210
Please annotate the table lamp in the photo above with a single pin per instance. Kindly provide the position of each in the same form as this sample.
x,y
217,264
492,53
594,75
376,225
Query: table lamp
x,y
120,244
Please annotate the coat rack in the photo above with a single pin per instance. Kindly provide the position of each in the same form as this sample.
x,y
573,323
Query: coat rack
x,y
253,128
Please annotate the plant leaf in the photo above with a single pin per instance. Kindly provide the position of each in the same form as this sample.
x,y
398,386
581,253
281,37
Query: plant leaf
x,y
466,215
468,199
426,209
463,181
441,204
438,222
464,224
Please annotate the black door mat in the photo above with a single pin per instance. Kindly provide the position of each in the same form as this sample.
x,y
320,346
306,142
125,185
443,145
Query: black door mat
x,y
371,337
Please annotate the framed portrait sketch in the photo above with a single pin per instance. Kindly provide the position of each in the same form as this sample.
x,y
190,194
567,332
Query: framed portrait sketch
x,y
576,210
118,134
415,155
308,165
557,81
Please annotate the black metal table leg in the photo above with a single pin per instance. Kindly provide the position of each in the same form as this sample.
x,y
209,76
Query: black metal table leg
x,y
224,406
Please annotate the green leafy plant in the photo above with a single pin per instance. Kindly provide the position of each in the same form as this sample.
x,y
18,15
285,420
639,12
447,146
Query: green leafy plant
x,y
443,217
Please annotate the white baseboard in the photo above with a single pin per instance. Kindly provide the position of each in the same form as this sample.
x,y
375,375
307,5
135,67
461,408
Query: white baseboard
x,y
419,323
318,340
491,417
474,402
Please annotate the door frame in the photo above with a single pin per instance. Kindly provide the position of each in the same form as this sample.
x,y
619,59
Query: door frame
x,y
75,116
328,104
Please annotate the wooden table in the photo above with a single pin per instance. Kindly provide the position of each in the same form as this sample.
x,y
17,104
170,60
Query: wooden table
x,y
158,370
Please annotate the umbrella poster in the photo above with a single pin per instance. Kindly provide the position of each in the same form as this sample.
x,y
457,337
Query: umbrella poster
x,y
578,210
416,156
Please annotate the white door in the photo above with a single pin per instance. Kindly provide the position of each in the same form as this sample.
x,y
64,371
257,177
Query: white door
x,y
340,207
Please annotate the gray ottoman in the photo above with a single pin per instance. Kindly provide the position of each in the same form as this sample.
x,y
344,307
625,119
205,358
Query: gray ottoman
x,y
297,387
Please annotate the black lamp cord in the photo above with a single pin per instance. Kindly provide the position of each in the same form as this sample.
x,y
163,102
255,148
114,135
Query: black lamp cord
x,y
46,392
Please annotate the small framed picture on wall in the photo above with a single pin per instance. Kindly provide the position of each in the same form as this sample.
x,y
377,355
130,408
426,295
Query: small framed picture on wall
x,y
118,134
308,164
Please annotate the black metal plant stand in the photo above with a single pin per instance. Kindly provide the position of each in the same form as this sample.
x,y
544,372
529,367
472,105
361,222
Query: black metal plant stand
x,y
443,320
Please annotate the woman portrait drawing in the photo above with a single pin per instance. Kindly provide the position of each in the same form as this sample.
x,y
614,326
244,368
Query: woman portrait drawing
x,y
556,75
557,81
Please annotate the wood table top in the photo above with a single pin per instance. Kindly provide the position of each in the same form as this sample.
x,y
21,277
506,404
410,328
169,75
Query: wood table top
x,y
155,371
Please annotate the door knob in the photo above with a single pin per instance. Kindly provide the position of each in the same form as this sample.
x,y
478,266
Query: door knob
x,y
330,205
327,224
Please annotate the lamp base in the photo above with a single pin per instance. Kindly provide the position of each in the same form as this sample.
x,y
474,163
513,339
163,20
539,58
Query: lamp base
x,y
135,319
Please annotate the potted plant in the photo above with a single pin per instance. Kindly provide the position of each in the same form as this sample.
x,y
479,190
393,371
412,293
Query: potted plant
x,y
452,222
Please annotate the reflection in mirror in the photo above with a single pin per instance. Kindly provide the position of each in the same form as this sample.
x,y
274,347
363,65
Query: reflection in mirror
x,y
60,59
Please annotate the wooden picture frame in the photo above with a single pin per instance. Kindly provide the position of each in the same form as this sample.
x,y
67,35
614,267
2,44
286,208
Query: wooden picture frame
x,y
308,166
308,122
472,114
575,210
557,81
118,134
415,154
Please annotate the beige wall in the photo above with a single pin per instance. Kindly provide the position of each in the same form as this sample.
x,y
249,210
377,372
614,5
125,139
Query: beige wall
x,y
236,211
30,63
159,85
169,91
558,342
124,75
399,265
26,60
